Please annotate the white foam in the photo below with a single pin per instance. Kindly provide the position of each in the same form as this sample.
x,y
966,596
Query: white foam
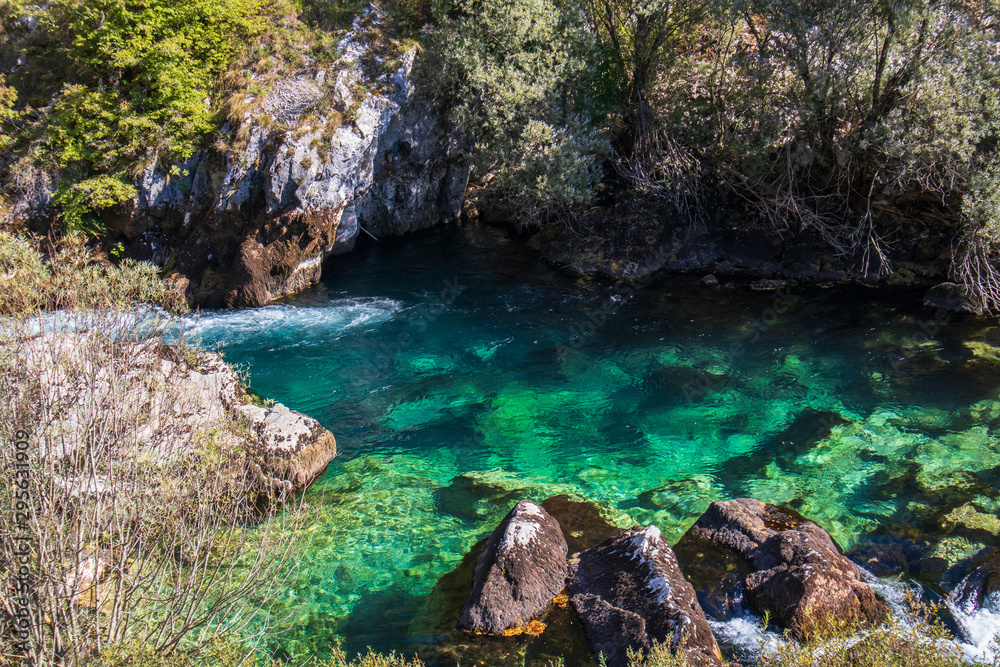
x,y
982,627
746,637
296,324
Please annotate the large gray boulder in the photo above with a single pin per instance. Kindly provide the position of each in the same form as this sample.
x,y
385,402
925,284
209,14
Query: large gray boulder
x,y
629,593
783,564
521,568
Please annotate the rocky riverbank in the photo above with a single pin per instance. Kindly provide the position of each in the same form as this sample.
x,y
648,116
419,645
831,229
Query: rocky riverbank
x,y
175,404
326,155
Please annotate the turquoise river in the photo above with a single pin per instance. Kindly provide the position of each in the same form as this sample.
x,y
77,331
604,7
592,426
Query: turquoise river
x,y
459,373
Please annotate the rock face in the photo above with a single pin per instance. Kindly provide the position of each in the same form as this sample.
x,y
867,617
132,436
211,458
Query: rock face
x,y
784,564
291,449
952,297
309,165
521,568
629,592
638,235
172,403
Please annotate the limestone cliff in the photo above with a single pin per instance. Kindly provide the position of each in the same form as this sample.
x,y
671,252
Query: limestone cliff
x,y
325,154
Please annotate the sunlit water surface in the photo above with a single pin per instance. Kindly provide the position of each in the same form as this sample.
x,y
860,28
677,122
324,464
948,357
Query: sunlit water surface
x,y
459,374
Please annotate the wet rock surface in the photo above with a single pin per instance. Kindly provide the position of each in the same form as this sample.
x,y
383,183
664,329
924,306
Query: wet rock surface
x,y
952,297
629,593
522,567
784,564
980,588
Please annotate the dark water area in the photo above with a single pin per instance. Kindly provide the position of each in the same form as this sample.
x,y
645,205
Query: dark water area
x,y
461,374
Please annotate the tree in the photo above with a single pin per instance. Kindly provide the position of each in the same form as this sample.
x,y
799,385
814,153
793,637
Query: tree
x,y
640,38
853,120
522,89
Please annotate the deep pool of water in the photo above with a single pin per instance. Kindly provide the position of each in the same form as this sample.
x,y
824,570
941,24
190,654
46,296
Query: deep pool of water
x,y
459,374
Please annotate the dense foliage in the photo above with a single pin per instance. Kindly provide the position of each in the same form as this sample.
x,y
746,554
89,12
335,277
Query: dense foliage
x,y
858,121
523,85
117,84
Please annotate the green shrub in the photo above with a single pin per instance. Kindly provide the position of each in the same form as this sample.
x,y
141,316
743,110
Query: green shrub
x,y
521,86
917,641
144,70
72,278
80,201
7,97
143,83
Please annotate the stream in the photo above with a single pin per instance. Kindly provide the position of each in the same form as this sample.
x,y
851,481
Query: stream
x,y
460,374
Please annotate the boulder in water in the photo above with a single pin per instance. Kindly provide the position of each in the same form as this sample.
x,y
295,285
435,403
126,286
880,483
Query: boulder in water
x,y
792,568
980,589
521,569
629,593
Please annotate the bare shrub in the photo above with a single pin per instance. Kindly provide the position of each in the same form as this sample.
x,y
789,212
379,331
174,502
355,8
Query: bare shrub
x,y
135,519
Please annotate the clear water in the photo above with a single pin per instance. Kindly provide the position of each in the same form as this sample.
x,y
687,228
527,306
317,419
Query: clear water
x,y
459,374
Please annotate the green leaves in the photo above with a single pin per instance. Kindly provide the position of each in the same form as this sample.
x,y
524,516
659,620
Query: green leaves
x,y
519,80
80,201
144,71
7,98
138,80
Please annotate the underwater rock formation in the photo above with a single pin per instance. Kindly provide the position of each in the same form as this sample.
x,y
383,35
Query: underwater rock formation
x,y
629,593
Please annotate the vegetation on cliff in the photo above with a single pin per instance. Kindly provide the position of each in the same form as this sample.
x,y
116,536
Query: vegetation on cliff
x,y
857,122
96,91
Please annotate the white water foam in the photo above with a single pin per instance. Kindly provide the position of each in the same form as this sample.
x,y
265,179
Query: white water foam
x,y
981,627
297,325
746,638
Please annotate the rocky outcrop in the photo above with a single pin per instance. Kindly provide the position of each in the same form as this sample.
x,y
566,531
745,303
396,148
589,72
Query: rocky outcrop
x,y
637,235
175,404
521,568
290,449
782,563
952,297
629,593
308,167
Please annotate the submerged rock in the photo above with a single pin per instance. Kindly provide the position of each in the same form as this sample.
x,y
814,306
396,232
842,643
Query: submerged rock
x,y
468,497
521,569
786,565
629,593
880,558
582,523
